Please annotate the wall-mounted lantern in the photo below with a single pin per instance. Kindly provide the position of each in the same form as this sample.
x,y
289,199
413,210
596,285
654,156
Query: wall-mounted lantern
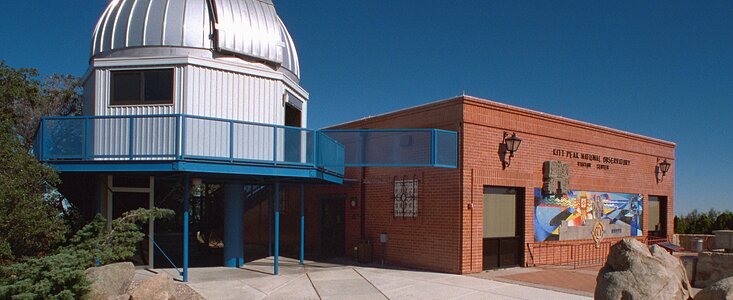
x,y
663,168
511,145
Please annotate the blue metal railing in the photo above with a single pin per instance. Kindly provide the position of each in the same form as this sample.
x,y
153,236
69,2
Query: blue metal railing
x,y
404,147
179,137
184,137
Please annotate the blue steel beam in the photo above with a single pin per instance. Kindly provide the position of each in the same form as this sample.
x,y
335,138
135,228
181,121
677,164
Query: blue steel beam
x,y
194,167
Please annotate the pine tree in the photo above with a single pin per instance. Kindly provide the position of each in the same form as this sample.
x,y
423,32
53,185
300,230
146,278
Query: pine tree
x,y
61,275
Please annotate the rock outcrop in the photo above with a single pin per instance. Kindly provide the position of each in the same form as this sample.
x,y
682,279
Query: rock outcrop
x,y
109,280
721,290
158,287
635,271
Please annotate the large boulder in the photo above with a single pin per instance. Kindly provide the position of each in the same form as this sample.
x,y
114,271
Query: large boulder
x,y
721,290
713,266
158,287
109,280
634,271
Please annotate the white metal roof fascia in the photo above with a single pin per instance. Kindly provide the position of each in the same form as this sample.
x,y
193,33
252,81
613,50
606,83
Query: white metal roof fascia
x,y
254,70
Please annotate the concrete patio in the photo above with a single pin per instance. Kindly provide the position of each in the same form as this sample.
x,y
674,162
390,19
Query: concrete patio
x,y
316,280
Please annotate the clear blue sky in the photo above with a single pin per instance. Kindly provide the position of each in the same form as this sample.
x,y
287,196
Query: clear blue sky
x,y
657,68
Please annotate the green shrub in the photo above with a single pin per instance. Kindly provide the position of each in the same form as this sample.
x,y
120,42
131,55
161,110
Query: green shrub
x,y
61,275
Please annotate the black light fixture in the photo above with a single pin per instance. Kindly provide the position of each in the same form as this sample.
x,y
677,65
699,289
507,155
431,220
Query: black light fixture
x,y
511,144
662,167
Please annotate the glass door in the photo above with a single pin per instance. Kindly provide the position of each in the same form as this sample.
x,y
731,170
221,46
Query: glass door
x,y
502,215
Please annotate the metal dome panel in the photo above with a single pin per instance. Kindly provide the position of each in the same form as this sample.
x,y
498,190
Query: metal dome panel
x,y
249,28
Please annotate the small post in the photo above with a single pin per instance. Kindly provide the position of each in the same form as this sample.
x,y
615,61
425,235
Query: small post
x,y
151,223
277,226
84,139
186,183
183,138
302,223
231,141
434,156
274,145
131,140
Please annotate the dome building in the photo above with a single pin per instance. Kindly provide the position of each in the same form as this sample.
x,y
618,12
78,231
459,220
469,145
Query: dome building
x,y
202,99
227,59
203,91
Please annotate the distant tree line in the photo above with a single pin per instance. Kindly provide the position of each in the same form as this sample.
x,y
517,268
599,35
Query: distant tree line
x,y
697,222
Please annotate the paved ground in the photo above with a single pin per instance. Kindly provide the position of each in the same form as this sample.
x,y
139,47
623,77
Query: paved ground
x,y
581,281
332,281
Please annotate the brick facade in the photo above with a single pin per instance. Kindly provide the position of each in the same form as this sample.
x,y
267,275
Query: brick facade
x,y
447,234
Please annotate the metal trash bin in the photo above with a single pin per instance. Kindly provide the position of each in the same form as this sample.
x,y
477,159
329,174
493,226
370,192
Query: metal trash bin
x,y
697,244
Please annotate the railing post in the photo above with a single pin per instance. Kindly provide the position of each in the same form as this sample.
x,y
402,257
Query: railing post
x,y
231,141
434,156
89,138
131,140
84,139
183,137
176,138
274,145
316,135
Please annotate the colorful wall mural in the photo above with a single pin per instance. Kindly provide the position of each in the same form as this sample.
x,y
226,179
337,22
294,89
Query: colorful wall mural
x,y
572,216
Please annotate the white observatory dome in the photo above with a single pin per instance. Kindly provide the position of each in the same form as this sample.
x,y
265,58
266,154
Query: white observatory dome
x,y
248,29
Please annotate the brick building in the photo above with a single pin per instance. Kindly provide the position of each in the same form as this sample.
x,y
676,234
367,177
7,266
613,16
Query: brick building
x,y
566,180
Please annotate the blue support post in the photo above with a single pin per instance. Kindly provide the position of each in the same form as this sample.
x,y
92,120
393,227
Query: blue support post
x,y
233,226
186,195
277,226
270,211
302,223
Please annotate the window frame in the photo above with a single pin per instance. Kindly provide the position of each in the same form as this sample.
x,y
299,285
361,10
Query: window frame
x,y
141,101
401,185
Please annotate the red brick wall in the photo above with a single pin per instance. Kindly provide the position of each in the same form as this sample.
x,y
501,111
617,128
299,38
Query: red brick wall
x,y
484,124
447,235
432,239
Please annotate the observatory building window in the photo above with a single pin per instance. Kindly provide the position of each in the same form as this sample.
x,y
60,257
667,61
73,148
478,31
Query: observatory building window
x,y
139,87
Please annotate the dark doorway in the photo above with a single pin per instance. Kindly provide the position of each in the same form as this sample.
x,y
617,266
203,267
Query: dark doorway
x,y
503,217
332,227
658,216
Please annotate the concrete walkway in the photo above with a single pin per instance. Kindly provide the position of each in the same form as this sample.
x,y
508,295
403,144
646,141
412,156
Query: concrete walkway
x,y
331,281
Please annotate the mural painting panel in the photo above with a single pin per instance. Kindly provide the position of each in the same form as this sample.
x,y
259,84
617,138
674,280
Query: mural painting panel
x,y
572,216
